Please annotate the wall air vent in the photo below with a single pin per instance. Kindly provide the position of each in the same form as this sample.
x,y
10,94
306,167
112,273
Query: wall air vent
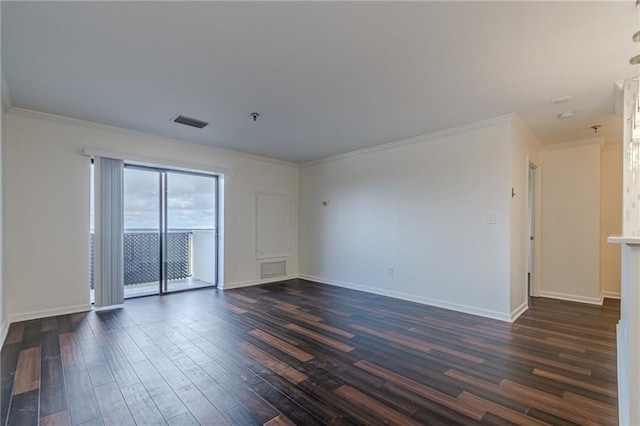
x,y
272,269
188,121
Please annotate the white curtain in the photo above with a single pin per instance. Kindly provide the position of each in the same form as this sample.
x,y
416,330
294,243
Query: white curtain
x,y
109,231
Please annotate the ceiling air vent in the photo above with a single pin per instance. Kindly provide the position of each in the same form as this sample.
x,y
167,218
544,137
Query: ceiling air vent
x,y
188,121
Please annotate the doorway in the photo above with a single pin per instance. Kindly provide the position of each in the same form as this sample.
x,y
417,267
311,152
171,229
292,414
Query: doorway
x,y
170,231
531,228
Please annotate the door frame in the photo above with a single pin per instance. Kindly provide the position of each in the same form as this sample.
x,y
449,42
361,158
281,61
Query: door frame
x,y
163,222
533,229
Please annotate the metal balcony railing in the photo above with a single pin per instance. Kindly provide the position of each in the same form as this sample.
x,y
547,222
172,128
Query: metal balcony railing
x,y
142,257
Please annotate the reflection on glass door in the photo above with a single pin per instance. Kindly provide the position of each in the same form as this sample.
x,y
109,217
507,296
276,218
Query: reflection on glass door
x,y
190,249
170,239
141,232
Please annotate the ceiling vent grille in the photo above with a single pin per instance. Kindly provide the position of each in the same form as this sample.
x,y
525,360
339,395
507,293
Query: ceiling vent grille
x,y
188,121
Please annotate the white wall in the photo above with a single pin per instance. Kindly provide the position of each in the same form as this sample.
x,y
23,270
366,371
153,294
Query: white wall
x,y
4,324
570,215
421,209
4,101
524,149
610,219
47,207
203,250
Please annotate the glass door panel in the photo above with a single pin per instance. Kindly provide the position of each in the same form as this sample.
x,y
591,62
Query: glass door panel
x,y
190,234
141,231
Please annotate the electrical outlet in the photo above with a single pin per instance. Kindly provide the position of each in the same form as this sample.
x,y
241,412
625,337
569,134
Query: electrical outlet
x,y
390,271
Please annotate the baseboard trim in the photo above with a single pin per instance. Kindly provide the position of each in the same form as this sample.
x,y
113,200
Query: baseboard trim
x,y
4,330
108,307
487,313
611,294
519,311
249,283
572,297
49,313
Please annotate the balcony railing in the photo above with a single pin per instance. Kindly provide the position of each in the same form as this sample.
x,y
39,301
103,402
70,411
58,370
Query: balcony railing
x,y
142,257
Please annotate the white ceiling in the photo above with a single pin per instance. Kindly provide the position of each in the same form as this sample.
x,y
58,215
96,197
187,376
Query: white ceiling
x,y
326,77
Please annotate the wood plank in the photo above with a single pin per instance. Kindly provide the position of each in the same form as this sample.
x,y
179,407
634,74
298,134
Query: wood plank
x,y
297,313
242,297
113,408
434,346
53,398
280,420
49,324
128,347
8,365
422,390
287,406
325,327
240,416
93,422
499,410
57,419
141,406
70,349
28,372
82,401
14,335
164,397
320,338
589,404
235,309
285,347
254,403
200,407
122,371
291,374
575,382
388,415
216,394
184,419
526,356
31,334
24,409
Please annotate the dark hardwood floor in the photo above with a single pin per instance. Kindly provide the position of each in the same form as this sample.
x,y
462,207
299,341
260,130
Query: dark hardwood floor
x,y
302,353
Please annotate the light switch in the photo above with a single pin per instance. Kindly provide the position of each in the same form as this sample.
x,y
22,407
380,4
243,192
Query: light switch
x,y
491,219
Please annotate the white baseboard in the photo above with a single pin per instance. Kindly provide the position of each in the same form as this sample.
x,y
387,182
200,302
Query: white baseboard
x,y
4,329
487,313
611,294
249,283
572,297
519,311
108,307
25,316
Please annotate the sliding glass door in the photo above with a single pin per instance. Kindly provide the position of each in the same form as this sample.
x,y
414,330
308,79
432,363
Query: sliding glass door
x,y
170,237
142,236
190,231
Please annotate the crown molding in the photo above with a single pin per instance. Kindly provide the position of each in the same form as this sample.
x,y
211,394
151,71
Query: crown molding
x,y
20,112
418,139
